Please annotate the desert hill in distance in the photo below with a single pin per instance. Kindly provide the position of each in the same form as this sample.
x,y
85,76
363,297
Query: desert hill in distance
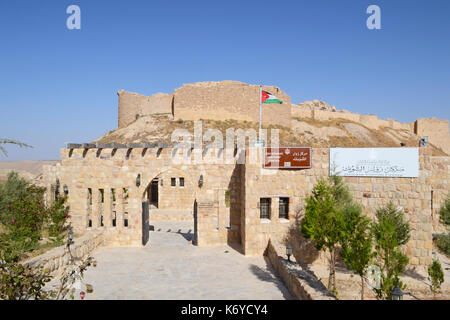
x,y
28,169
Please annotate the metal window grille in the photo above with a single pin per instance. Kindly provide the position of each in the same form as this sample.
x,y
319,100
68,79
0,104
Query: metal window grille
x,y
284,208
264,208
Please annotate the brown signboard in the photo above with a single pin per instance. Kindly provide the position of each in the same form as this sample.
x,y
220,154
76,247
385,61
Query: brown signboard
x,y
287,158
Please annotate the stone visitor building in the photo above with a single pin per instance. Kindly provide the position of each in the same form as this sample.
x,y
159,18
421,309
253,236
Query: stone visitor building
x,y
113,186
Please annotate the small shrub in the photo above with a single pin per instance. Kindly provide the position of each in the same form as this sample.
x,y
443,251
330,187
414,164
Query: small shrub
x,y
324,218
25,217
436,275
227,198
442,242
444,213
57,215
390,232
23,282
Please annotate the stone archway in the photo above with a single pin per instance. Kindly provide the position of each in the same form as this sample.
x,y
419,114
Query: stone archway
x,y
169,196
171,191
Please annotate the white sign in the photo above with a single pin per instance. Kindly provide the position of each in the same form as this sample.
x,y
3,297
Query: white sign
x,y
375,162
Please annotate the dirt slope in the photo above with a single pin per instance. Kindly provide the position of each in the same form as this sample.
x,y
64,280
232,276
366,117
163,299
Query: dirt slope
x,y
303,131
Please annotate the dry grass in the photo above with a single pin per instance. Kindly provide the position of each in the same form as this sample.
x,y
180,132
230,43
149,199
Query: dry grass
x,y
159,128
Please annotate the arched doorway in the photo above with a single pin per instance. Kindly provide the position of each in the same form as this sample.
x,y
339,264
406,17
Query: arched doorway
x,y
169,199
152,193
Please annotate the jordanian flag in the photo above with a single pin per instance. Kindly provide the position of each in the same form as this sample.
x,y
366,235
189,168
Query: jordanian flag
x,y
267,97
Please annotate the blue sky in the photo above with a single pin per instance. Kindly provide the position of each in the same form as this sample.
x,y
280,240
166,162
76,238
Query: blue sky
x,y
60,85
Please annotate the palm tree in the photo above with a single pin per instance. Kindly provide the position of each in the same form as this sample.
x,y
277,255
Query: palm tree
x,y
5,141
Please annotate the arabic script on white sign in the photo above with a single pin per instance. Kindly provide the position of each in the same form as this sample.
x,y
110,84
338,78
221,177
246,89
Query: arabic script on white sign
x,y
375,162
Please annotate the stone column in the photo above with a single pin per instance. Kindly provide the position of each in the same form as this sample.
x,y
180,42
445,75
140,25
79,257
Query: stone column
x,y
107,212
96,208
205,225
274,210
88,207
119,208
222,210
48,191
135,216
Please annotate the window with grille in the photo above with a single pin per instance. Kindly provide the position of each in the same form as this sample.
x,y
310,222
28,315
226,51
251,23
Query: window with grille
x,y
264,208
181,182
90,195
173,182
284,208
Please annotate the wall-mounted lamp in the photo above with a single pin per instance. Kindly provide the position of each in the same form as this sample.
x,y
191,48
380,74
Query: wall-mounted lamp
x,y
66,190
289,252
70,238
57,189
423,141
138,180
200,181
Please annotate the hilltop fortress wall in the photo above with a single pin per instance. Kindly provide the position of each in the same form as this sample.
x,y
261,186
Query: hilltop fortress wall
x,y
240,101
230,100
133,105
207,100
437,130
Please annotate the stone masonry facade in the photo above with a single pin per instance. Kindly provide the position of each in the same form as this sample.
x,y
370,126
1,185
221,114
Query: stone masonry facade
x,y
108,185
224,199
208,100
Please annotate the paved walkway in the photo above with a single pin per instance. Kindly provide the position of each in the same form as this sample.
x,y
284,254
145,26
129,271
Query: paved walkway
x,y
169,267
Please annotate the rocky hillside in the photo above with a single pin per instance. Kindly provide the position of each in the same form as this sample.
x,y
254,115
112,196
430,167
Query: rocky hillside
x,y
303,131
30,170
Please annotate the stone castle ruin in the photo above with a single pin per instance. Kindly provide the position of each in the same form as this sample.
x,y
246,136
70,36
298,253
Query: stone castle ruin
x,y
114,188
240,101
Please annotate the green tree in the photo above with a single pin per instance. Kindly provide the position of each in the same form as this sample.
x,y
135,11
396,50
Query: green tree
x,y
323,219
390,232
442,240
444,212
24,216
357,251
436,275
9,141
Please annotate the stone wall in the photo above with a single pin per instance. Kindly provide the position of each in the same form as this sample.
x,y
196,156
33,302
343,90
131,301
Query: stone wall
x,y
437,131
103,193
302,284
133,105
370,121
229,100
411,194
240,101
207,100
56,259
175,197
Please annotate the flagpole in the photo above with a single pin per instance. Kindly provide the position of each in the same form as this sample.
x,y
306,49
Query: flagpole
x,y
260,112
